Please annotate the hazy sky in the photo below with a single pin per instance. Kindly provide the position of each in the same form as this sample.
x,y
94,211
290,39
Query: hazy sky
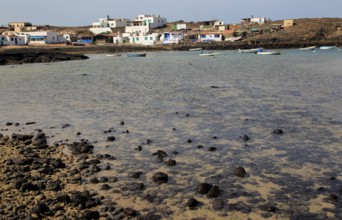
x,y
77,12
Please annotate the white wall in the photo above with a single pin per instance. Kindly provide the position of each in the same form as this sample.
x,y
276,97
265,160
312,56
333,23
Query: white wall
x,y
100,30
137,29
11,40
258,20
181,26
172,37
210,37
45,37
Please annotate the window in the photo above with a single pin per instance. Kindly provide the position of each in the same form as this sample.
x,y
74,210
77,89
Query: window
x,y
151,38
217,36
203,36
12,39
146,38
137,38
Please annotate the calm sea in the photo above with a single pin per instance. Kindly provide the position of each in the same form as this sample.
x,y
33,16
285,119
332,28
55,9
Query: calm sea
x,y
170,97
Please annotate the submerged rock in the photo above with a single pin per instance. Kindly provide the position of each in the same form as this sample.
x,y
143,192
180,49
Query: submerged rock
x,y
192,203
204,188
160,177
239,172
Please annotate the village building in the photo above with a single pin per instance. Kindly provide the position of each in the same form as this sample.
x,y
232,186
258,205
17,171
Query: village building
x,y
21,26
211,25
177,27
142,39
105,25
172,37
44,37
288,23
143,23
10,39
253,20
208,37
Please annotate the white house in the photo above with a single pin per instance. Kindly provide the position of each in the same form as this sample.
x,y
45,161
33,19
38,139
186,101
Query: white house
x,y
181,27
143,23
172,37
258,20
105,25
142,39
207,37
46,37
11,40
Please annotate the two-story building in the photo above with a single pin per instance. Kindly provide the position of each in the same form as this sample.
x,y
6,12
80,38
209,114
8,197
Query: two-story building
x,y
144,23
105,25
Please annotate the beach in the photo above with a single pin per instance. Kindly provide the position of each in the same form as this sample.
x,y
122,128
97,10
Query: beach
x,y
173,136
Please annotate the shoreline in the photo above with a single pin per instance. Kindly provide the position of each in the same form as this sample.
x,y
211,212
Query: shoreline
x,y
11,55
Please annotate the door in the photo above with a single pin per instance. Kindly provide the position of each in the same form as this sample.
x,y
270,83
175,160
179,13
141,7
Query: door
x,y
16,41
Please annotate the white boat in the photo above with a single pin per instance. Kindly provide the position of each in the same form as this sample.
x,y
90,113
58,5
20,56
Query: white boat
x,y
308,48
233,39
268,53
209,54
253,50
327,47
196,49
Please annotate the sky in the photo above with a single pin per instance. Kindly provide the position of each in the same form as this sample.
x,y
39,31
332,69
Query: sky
x,y
84,12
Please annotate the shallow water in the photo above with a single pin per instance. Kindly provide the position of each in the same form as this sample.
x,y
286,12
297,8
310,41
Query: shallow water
x,y
227,96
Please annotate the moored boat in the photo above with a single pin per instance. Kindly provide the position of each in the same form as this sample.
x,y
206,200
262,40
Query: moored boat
x,y
308,48
268,53
209,54
136,55
196,49
253,50
327,47
113,55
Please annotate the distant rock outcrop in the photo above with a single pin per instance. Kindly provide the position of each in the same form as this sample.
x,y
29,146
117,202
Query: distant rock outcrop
x,y
40,57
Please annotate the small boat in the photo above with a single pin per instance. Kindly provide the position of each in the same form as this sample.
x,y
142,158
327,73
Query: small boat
x,y
209,54
327,47
196,49
253,50
113,55
233,39
268,53
308,48
136,55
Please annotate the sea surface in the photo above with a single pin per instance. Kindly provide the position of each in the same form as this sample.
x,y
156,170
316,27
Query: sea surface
x,y
180,100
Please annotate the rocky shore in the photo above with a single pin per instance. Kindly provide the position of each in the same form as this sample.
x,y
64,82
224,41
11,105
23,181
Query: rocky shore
x,y
22,57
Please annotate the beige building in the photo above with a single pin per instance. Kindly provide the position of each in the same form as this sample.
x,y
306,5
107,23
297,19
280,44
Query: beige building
x,y
288,23
18,26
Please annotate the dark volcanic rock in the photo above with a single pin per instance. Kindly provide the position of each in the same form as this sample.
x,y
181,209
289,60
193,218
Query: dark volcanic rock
x,y
130,212
240,172
171,163
204,188
81,148
160,177
40,141
245,137
41,208
218,204
39,57
111,138
64,198
214,191
278,131
90,215
192,203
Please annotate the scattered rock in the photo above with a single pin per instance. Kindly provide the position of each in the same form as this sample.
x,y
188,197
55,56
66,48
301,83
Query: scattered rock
x,y
170,163
218,204
160,177
214,191
212,148
111,138
278,131
91,215
245,138
191,203
239,172
204,188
